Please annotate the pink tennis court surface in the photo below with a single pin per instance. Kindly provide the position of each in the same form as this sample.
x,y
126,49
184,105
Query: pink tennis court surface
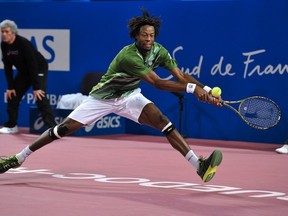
x,y
141,175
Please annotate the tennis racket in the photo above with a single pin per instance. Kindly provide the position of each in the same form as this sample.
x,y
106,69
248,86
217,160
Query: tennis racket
x,y
256,111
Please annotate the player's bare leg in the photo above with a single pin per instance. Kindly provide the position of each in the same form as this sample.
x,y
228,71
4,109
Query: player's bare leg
x,y
206,168
68,126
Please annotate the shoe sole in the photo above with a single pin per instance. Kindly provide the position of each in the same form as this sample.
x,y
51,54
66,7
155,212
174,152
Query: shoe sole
x,y
281,152
4,169
215,162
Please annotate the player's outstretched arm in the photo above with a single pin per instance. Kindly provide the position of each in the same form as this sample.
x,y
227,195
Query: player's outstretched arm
x,y
181,85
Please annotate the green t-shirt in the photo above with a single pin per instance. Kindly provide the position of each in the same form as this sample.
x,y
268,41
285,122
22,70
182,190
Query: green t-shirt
x,y
126,69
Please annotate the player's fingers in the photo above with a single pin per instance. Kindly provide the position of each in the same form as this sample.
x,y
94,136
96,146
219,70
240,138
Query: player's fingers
x,y
203,98
215,101
211,100
219,103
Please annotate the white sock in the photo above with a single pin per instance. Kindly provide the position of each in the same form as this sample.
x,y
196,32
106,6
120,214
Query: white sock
x,y
23,154
193,159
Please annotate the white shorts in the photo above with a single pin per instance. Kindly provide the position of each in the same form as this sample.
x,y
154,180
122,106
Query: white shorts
x,y
91,109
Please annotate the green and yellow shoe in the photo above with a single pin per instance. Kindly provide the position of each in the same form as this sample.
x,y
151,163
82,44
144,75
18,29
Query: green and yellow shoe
x,y
8,163
208,167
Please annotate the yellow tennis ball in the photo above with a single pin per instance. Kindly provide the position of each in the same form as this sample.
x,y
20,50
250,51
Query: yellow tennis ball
x,y
216,92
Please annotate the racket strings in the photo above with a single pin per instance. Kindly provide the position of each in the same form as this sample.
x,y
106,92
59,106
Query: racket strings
x,y
259,112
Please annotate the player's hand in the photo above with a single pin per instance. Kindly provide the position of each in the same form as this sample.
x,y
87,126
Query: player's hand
x,y
217,101
39,94
206,97
201,94
216,93
10,93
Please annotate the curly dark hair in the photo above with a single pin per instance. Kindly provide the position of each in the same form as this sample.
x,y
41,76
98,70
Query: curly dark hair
x,y
135,23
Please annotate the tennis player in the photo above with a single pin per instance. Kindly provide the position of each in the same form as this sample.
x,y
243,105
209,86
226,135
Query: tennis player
x,y
118,92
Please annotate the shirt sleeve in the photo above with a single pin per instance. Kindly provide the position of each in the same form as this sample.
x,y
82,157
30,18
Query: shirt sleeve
x,y
167,61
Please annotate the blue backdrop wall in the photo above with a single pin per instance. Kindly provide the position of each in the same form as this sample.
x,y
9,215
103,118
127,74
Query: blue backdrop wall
x,y
238,45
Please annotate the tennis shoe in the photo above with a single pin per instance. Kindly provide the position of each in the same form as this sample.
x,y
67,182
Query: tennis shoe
x,y
7,163
208,167
8,130
283,149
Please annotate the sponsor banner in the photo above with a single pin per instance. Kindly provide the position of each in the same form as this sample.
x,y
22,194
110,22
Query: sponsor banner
x,y
110,124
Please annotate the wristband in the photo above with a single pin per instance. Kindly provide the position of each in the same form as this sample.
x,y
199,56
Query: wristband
x,y
207,88
190,88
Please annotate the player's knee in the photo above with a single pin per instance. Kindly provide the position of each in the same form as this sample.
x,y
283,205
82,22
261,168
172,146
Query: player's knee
x,y
168,129
58,131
